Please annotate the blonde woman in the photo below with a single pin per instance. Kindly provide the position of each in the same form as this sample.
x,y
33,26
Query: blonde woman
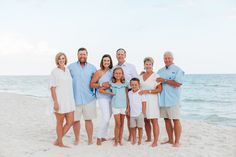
x,y
150,88
62,95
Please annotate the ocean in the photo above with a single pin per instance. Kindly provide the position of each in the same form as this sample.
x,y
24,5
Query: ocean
x,y
208,98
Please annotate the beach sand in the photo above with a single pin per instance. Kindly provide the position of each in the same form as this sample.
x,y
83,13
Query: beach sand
x,y
26,130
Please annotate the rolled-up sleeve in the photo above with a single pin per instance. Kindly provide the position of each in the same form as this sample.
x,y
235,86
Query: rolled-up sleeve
x,y
52,80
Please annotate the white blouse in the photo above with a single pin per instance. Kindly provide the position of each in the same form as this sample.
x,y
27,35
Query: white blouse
x,y
62,81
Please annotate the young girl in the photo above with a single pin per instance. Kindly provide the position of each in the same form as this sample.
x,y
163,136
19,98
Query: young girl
x,y
119,101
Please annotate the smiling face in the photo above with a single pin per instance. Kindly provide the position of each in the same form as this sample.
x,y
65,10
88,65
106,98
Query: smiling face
x,y
148,66
168,59
118,74
134,85
82,56
62,61
120,55
106,62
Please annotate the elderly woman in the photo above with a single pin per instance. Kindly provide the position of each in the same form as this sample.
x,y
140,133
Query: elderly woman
x,y
99,79
150,88
60,85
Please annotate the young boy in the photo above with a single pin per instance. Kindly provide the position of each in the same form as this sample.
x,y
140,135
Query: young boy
x,y
136,108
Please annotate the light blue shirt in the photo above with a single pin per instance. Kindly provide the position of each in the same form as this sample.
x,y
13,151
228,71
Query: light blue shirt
x,y
120,98
170,96
82,76
104,78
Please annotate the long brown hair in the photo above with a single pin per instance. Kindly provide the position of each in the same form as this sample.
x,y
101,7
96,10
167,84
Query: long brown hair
x,y
113,79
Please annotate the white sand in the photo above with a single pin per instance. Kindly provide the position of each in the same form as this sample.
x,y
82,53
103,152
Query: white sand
x,y
25,130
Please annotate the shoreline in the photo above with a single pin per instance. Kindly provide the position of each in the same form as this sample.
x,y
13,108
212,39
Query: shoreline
x,y
28,131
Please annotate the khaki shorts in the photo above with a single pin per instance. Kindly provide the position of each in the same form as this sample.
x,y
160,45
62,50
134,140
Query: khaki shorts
x,y
170,112
137,121
118,111
88,111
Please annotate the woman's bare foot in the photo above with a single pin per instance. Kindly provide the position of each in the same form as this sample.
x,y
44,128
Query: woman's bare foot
x,y
133,142
129,139
154,144
167,142
115,144
120,143
139,142
76,142
99,141
90,142
55,142
62,145
176,145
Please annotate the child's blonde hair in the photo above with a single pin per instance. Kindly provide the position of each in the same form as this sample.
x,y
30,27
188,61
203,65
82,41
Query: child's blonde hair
x,y
113,79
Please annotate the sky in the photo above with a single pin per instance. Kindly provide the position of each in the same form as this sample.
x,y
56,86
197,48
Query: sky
x,y
200,33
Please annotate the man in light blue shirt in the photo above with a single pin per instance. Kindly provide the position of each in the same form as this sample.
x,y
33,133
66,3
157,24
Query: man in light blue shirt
x,y
171,78
84,96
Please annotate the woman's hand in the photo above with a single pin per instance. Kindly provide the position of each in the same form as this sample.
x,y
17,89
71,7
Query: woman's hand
x,y
56,106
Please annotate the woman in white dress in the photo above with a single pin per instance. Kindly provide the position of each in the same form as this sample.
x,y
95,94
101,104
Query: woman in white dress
x,y
62,95
151,88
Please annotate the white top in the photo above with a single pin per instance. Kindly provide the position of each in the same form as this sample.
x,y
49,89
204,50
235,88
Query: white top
x,y
152,107
63,82
129,70
136,101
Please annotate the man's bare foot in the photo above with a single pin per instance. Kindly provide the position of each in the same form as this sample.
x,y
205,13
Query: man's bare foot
x,y
167,142
76,142
99,141
103,139
148,140
154,144
176,145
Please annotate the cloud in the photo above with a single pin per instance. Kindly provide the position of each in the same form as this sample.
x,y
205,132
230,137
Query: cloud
x,y
11,43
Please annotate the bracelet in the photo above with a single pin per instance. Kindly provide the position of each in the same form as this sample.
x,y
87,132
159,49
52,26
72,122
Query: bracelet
x,y
150,91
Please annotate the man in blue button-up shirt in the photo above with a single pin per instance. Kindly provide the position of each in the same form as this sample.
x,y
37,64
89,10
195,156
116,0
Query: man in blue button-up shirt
x,y
84,96
171,78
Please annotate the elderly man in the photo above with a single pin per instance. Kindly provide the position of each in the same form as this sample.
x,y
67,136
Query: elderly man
x,y
171,78
85,100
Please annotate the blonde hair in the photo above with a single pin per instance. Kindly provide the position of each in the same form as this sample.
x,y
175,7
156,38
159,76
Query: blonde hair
x,y
58,55
113,79
148,59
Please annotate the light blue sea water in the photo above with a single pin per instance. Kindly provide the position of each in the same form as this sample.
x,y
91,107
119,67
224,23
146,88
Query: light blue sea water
x,y
209,98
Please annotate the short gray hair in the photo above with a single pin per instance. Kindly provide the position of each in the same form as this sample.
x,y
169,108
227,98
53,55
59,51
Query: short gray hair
x,y
168,53
148,59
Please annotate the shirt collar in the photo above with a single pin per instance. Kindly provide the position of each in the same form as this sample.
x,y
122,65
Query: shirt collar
x,y
167,67
124,64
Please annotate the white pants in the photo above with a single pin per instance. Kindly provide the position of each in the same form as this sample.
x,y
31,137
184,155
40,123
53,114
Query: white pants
x,y
105,106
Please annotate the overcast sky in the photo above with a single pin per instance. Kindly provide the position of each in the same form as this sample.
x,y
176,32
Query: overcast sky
x,y
200,33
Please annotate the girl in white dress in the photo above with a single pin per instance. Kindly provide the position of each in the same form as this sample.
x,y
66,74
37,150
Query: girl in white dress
x,y
62,95
151,88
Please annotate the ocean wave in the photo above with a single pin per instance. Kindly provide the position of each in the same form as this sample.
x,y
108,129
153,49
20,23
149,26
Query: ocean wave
x,y
207,101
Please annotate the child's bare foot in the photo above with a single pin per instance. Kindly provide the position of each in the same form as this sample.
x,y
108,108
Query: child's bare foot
x,y
133,142
90,142
115,144
99,141
176,145
154,144
167,142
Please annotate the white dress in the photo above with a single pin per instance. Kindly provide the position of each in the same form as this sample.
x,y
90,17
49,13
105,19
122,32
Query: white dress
x,y
152,106
64,89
